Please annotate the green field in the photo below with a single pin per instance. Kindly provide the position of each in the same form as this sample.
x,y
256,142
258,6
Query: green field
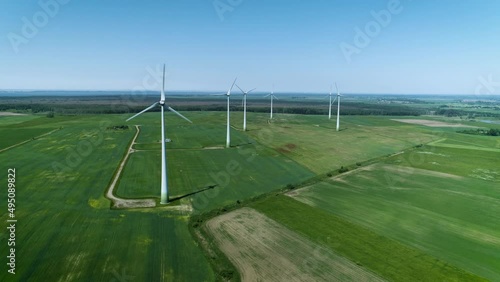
x,y
207,130
445,204
387,258
8,120
240,172
313,142
18,129
21,135
67,231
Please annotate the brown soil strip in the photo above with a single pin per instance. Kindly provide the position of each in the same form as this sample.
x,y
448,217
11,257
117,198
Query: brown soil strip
x,y
264,250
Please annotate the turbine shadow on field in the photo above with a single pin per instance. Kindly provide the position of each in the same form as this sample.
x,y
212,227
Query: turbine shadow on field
x,y
333,127
177,198
241,144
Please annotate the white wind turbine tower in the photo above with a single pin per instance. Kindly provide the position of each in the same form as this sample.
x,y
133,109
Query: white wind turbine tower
x,y
272,97
245,106
330,104
164,182
338,107
228,134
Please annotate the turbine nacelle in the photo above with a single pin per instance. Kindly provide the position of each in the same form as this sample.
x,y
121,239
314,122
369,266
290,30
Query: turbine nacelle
x,y
245,92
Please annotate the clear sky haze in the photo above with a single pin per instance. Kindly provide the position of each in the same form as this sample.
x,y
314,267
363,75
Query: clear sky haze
x,y
419,46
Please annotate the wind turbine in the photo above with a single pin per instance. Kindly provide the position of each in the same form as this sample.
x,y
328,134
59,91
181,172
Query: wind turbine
x,y
272,97
338,107
330,104
164,182
228,94
245,106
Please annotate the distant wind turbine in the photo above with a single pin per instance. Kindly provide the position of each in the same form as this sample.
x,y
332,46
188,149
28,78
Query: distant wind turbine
x,y
330,104
164,180
245,106
228,134
338,107
272,97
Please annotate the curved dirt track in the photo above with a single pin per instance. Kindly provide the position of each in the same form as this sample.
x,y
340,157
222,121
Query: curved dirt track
x,y
121,203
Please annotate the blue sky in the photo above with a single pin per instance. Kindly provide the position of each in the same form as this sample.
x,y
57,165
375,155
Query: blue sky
x,y
426,47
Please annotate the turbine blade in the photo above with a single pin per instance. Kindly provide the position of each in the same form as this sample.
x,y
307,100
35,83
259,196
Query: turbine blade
x,y
268,95
251,90
241,89
333,102
338,93
275,97
229,92
179,114
141,112
162,96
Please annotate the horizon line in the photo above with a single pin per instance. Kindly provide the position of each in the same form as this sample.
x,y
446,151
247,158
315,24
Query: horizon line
x,y
147,92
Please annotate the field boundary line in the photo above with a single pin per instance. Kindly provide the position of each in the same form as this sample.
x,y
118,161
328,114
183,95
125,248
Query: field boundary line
x,y
26,141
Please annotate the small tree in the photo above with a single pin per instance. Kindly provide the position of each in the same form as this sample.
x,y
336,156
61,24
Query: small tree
x,y
50,114
343,169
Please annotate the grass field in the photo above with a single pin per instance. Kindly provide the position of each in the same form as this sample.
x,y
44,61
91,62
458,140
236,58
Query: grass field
x,y
21,135
313,142
207,130
445,204
8,120
389,259
67,231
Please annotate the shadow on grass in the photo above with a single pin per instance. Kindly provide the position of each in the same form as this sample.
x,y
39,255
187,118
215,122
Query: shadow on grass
x,y
177,198
241,144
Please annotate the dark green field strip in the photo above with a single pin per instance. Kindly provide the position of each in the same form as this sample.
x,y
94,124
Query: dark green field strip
x,y
10,137
206,133
147,147
141,176
386,257
45,121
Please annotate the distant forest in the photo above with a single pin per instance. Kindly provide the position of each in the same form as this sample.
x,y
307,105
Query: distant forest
x,y
75,105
